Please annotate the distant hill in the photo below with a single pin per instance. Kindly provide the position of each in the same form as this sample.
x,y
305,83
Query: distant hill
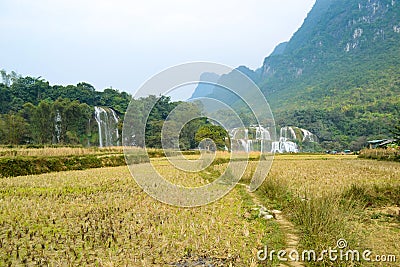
x,y
205,88
279,49
339,75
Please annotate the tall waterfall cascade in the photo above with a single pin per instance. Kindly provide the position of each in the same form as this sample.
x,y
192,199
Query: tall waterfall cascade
x,y
107,122
253,138
289,137
258,138
57,127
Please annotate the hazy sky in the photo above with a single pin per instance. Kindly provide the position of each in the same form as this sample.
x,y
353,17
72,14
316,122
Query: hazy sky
x,y
122,43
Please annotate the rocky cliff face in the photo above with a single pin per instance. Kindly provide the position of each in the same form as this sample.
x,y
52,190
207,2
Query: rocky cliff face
x,y
336,35
339,75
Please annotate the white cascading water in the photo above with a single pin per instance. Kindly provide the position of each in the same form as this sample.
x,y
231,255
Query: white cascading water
x,y
262,133
249,146
97,112
116,128
285,143
288,136
288,133
260,139
57,126
308,136
275,147
107,126
242,142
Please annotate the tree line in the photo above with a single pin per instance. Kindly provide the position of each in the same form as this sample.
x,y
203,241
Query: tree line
x,y
34,112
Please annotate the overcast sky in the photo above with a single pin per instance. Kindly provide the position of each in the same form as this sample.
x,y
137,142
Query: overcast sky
x,y
122,43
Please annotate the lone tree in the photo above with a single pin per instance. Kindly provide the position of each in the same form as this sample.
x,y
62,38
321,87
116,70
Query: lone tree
x,y
214,132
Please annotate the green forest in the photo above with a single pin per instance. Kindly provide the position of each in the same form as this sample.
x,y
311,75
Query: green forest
x,y
339,75
343,104
29,108
33,112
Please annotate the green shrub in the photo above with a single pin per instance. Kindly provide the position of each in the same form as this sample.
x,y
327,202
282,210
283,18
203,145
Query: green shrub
x,y
18,166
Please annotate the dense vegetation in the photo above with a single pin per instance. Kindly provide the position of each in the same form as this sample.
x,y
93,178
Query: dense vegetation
x,y
339,74
36,165
338,77
35,113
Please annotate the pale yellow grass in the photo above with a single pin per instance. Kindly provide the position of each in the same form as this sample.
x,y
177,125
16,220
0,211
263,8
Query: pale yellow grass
x,y
102,217
381,236
177,176
317,175
313,176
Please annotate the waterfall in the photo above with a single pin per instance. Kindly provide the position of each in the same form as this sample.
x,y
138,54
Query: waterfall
x,y
258,138
275,147
262,133
249,146
308,136
282,146
249,139
289,135
97,112
289,146
115,117
57,126
107,122
286,141
243,143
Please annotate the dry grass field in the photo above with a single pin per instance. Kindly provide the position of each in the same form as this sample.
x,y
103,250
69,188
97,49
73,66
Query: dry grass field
x,y
329,197
101,216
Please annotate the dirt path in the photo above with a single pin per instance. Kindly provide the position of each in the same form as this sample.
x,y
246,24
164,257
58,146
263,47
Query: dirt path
x,y
292,239
291,236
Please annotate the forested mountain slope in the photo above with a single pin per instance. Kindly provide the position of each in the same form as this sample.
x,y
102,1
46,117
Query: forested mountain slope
x,y
339,75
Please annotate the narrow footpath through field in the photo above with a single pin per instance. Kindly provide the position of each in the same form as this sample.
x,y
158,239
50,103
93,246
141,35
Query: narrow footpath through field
x,y
287,228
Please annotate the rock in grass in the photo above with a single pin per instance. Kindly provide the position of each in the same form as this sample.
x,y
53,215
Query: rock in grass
x,y
268,217
265,213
